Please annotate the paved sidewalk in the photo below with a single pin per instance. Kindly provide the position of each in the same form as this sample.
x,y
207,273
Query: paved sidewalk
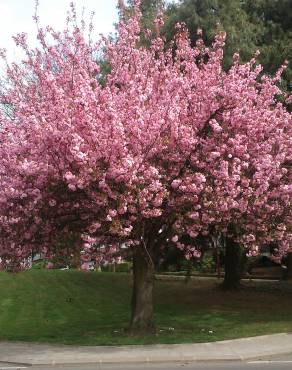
x,y
233,350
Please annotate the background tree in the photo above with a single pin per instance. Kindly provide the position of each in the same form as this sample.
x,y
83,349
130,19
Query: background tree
x,y
169,148
250,25
149,10
213,16
276,41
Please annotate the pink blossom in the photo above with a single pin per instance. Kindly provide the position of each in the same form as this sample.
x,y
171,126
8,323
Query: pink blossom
x,y
174,238
163,144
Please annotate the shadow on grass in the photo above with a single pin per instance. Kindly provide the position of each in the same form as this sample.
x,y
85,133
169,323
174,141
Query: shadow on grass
x,y
74,307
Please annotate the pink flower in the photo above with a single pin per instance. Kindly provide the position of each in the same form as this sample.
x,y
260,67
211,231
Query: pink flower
x,y
174,238
176,183
52,202
112,212
50,265
94,227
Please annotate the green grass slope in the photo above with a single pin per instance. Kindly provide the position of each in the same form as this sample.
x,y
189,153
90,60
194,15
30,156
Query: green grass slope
x,y
74,307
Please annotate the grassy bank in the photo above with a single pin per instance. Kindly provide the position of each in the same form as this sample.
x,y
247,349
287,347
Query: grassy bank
x,y
93,308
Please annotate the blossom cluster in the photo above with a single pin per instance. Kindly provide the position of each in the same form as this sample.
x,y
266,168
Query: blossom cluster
x,y
169,146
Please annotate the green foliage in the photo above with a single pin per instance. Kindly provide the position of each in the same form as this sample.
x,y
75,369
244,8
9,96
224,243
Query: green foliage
x,y
250,25
207,263
275,44
38,265
149,9
124,267
172,260
107,268
118,267
213,16
60,261
105,69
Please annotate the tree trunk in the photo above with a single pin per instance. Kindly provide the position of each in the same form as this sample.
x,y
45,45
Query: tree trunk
x,y
233,254
142,296
289,266
218,263
75,245
75,258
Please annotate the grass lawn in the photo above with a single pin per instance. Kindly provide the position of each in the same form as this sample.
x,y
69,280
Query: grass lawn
x,y
75,307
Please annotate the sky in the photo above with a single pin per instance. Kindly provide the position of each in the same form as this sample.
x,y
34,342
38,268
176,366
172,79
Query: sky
x,y
16,16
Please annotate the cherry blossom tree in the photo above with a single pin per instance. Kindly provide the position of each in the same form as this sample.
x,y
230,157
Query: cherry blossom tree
x,y
168,149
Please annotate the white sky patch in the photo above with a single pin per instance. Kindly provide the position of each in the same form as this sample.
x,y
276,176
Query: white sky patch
x,y
16,17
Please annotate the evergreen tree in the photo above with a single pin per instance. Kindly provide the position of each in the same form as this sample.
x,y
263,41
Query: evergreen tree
x,y
249,24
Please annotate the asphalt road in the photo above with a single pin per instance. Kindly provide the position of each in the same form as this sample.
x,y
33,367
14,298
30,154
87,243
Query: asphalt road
x,y
273,363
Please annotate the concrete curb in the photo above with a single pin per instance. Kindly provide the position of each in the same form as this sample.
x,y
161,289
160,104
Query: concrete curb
x,y
244,349
266,279
13,364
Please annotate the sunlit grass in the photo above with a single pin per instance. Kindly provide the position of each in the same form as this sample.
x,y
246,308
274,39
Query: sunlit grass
x,y
75,307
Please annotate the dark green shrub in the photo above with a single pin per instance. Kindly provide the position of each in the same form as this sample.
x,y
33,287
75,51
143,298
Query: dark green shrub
x,y
38,265
124,267
118,267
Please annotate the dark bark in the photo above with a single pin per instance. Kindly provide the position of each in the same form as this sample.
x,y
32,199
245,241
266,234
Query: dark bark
x,y
233,255
76,254
218,263
142,296
289,266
